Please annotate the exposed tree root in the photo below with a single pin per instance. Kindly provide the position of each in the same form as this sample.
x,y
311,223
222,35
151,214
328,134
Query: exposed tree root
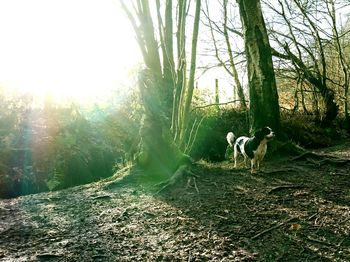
x,y
122,177
180,173
134,175
317,159
334,161
285,148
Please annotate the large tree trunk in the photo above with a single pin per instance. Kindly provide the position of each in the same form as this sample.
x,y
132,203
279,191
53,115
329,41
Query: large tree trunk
x,y
180,82
165,100
166,43
157,154
264,107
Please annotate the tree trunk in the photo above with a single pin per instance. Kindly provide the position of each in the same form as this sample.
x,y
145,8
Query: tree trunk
x,y
161,158
190,85
344,63
168,57
217,96
264,107
331,108
166,39
180,71
239,87
162,87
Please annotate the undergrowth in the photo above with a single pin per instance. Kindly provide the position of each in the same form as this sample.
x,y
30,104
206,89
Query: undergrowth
x,y
53,148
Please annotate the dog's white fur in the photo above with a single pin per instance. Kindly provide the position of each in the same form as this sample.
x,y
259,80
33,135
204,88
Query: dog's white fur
x,y
259,153
253,148
230,139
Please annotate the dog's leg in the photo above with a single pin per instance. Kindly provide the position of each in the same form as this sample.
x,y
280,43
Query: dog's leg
x,y
246,161
253,166
235,154
258,161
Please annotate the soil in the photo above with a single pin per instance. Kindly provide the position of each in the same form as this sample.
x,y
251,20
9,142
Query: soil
x,y
295,209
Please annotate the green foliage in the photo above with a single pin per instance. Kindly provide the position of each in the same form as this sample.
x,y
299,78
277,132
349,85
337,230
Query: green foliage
x,y
210,143
303,130
54,147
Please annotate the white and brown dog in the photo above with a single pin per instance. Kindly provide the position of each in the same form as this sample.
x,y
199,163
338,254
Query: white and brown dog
x,y
253,148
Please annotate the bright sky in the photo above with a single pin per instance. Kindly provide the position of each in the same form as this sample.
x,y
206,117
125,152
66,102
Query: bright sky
x,y
65,47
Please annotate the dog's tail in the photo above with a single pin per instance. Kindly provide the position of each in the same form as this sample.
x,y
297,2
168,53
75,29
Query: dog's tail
x,y
230,139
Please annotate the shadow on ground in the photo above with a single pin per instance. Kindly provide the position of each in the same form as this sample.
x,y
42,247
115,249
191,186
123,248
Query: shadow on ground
x,y
295,210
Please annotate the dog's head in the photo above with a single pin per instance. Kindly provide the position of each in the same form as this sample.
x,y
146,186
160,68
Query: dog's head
x,y
264,133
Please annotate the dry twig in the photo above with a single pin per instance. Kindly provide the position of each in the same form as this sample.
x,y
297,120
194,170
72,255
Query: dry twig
x,y
272,228
195,185
284,187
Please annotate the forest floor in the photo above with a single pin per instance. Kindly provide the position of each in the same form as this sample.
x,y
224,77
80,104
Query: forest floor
x,y
296,209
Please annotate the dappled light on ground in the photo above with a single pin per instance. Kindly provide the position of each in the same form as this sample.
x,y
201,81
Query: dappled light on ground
x,y
294,210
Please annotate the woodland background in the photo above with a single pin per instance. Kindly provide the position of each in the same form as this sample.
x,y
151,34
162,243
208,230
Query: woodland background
x,y
54,147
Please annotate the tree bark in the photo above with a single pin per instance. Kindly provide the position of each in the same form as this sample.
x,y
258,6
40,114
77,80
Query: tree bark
x,y
190,85
239,87
264,107
159,158
166,42
344,63
180,82
162,87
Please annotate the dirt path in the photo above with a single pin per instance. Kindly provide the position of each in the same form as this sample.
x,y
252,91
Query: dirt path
x,y
293,211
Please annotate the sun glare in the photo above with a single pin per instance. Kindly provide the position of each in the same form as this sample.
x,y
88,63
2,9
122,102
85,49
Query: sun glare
x,y
66,49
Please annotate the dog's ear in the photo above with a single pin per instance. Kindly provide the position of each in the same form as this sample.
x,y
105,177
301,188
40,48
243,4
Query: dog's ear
x,y
259,134
266,130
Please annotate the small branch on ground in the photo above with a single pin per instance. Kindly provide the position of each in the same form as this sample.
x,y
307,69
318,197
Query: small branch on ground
x,y
277,188
272,228
288,169
321,242
222,217
312,216
303,155
195,185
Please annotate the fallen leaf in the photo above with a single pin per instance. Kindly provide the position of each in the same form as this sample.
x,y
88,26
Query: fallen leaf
x,y
295,227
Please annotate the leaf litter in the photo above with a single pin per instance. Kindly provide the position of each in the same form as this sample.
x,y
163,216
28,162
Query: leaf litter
x,y
292,211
